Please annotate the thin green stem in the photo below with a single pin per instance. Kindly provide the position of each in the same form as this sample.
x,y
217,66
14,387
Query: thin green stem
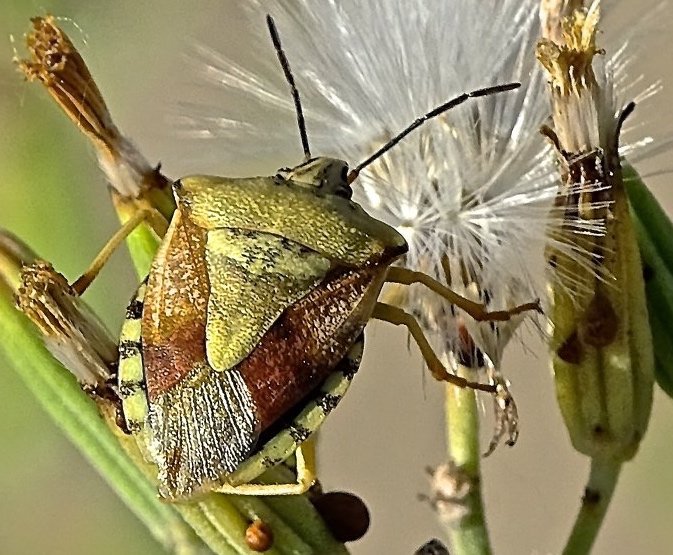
x,y
468,532
61,396
603,478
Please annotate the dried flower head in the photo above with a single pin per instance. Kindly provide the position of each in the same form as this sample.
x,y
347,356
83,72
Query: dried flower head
x,y
602,346
71,331
56,63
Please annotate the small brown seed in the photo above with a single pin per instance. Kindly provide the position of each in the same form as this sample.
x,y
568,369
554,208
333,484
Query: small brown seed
x,y
259,536
345,514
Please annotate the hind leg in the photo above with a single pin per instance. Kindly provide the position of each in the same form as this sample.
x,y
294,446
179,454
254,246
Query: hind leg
x,y
306,475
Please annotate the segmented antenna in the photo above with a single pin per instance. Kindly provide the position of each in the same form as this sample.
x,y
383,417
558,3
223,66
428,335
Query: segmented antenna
x,y
431,114
282,58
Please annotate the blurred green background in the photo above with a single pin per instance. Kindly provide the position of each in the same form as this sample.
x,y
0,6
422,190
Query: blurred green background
x,y
53,196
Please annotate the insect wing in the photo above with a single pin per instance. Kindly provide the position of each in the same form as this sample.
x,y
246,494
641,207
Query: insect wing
x,y
254,277
200,423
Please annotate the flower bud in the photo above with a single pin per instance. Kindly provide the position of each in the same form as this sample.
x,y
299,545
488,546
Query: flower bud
x,y
602,345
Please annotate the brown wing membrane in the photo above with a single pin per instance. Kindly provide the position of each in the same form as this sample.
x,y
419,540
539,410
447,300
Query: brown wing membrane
x,y
200,431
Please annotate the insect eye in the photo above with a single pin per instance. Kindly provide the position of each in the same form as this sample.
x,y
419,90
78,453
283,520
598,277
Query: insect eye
x,y
344,190
344,173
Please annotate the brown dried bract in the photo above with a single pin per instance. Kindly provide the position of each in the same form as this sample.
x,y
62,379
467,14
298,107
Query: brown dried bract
x,y
71,331
55,62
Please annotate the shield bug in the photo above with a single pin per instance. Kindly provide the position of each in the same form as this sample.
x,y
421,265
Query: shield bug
x,y
249,327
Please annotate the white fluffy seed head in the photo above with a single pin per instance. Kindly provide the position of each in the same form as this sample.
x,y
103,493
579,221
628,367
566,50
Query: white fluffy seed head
x,y
472,191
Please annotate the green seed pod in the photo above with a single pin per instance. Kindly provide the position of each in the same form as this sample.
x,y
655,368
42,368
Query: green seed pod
x,y
603,361
602,346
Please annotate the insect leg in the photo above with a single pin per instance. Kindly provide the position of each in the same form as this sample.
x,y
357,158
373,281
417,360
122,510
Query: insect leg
x,y
306,465
398,317
306,475
477,311
151,216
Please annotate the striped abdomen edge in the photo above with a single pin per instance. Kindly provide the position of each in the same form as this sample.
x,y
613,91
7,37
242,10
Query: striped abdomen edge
x,y
131,374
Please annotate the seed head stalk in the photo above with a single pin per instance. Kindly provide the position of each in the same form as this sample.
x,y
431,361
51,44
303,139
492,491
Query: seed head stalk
x,y
468,533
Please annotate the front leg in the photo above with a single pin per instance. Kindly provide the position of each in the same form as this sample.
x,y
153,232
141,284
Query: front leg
x,y
477,311
151,216
398,317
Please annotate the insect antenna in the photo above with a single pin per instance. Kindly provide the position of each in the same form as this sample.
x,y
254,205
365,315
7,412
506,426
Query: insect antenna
x,y
623,116
282,58
431,114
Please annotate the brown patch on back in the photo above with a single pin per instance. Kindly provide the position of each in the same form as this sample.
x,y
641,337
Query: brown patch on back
x,y
308,340
600,324
176,302
571,350
168,362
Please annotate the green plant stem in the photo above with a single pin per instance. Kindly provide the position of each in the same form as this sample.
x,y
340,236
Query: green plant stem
x,y
60,395
603,478
468,534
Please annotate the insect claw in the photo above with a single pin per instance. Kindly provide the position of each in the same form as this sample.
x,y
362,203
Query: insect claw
x,y
504,315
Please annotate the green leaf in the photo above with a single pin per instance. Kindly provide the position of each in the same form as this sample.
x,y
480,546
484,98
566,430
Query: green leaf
x,y
654,232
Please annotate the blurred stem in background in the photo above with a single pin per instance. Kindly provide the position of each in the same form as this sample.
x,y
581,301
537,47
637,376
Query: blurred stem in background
x,y
467,528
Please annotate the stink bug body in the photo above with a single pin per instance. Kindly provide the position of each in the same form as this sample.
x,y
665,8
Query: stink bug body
x,y
246,311
249,327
